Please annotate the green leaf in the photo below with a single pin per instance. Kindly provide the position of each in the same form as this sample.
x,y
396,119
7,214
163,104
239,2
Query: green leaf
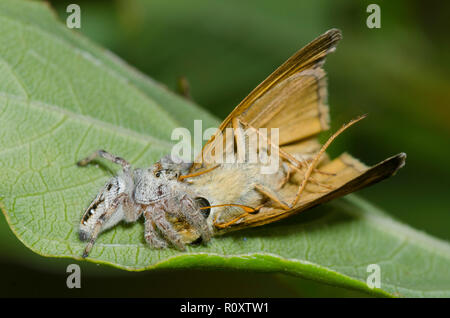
x,y
61,97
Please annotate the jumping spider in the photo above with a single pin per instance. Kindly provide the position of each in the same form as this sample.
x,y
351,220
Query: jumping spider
x,y
153,192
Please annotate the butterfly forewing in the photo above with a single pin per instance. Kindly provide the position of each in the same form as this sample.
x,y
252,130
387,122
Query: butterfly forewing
x,y
294,100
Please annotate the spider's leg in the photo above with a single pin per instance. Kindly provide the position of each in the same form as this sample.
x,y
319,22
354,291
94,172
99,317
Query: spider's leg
x,y
102,220
158,216
152,237
108,156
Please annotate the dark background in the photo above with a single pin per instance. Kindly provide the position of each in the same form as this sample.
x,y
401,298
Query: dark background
x,y
397,74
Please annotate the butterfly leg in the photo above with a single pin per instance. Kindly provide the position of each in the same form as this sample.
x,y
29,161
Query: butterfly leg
x,y
247,210
272,195
287,176
292,161
312,180
314,162
264,190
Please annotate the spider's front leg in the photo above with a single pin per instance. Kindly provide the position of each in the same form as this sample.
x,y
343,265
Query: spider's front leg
x,y
155,219
152,237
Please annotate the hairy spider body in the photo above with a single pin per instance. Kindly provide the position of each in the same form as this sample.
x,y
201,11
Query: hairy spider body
x,y
156,193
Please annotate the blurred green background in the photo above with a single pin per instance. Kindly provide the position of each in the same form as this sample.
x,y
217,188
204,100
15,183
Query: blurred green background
x,y
397,74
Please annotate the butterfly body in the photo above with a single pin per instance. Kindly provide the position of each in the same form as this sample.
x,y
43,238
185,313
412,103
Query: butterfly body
x,y
235,184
